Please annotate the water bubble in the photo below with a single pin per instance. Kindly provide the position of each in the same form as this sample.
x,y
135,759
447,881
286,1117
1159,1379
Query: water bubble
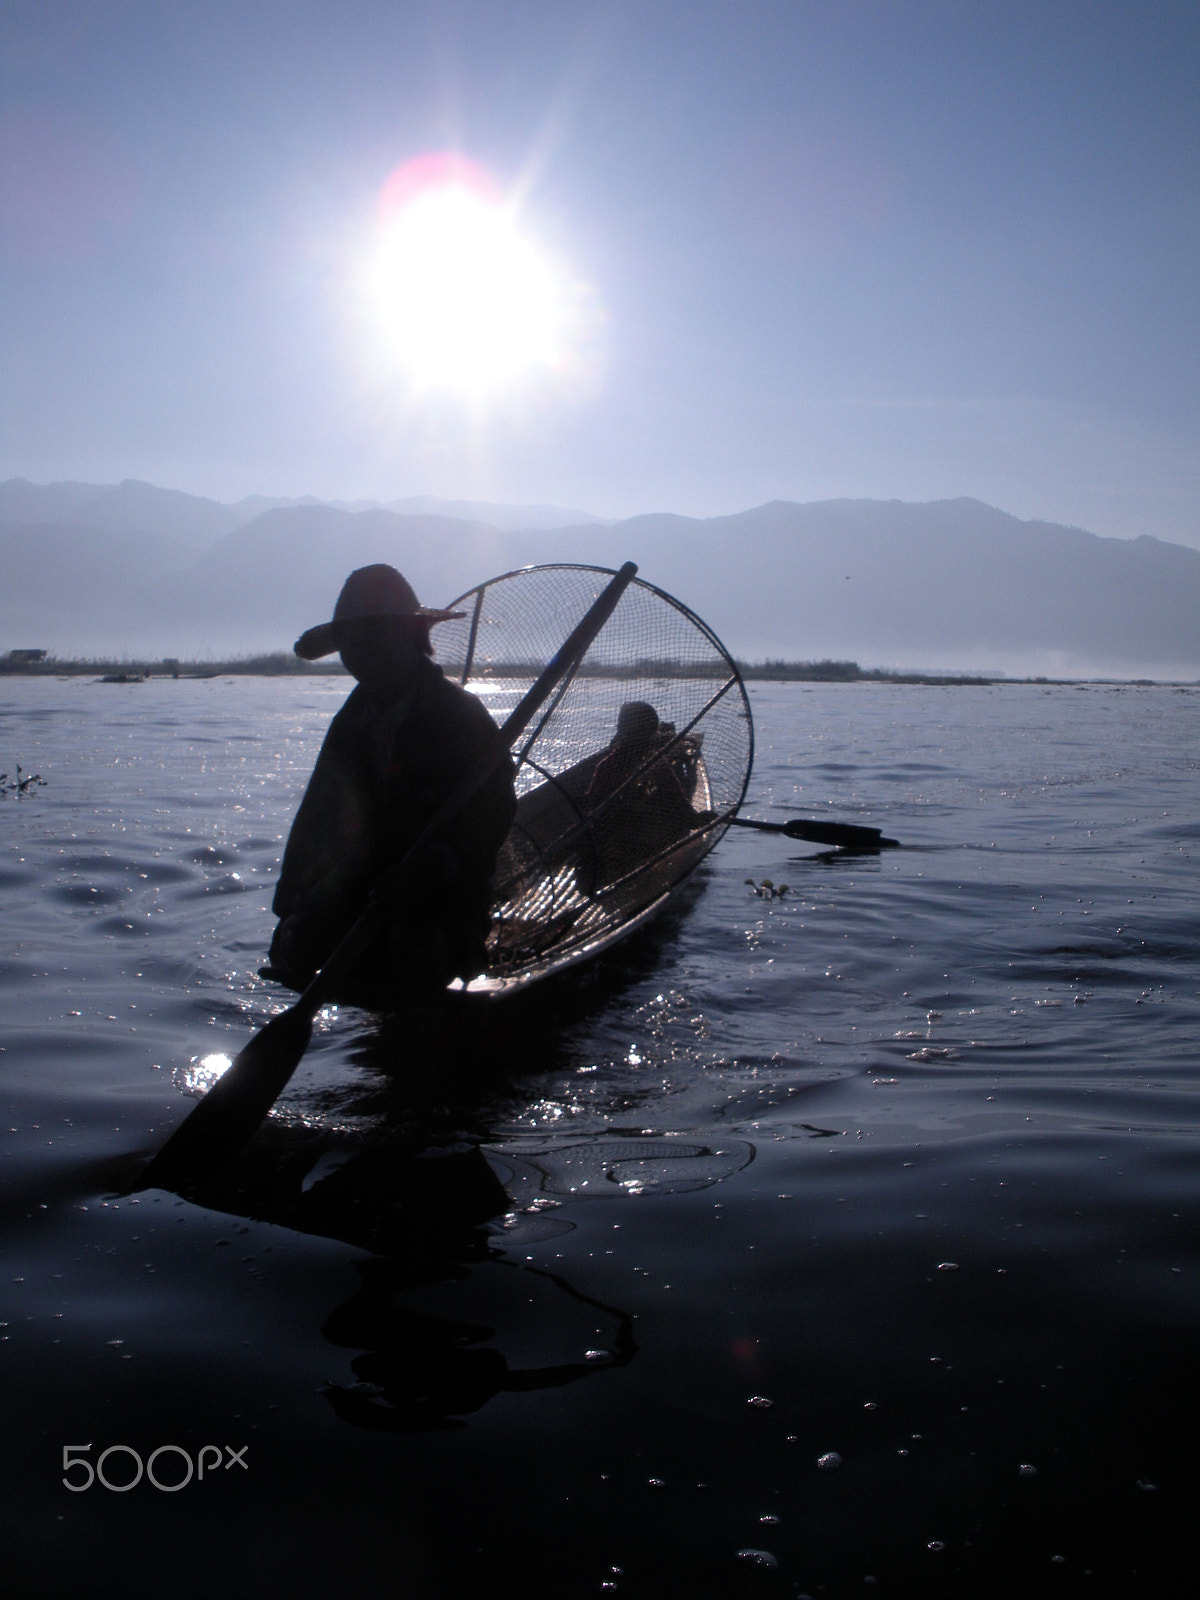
x,y
830,1461
758,1558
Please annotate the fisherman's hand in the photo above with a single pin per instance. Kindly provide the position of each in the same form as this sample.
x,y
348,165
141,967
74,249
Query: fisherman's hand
x,y
290,959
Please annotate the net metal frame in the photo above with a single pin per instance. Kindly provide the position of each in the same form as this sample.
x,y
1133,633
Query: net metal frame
x,y
609,825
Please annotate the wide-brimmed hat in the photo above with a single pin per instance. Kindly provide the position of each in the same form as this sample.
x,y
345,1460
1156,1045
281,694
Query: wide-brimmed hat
x,y
378,591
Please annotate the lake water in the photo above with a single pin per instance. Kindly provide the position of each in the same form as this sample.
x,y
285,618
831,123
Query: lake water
x,y
849,1242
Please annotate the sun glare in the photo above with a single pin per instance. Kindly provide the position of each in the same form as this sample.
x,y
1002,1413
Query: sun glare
x,y
466,303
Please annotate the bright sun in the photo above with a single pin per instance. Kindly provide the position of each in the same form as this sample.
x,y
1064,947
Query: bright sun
x,y
466,303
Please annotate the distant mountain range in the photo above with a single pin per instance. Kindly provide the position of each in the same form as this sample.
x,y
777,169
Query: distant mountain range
x,y
134,507
949,585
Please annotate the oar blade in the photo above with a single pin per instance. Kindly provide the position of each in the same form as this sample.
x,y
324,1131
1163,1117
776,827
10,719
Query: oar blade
x,y
234,1106
842,835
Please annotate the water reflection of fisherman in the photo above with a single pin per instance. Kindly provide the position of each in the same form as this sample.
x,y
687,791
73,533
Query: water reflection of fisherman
x,y
639,798
423,1211
393,753
418,1373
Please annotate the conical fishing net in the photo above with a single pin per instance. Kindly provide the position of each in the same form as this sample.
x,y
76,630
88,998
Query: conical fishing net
x,y
625,778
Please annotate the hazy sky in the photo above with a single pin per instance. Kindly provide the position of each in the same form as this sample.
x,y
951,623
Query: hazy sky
x,y
816,249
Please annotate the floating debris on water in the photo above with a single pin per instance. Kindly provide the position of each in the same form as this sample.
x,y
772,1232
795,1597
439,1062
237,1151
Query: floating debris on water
x,y
19,785
766,890
758,1558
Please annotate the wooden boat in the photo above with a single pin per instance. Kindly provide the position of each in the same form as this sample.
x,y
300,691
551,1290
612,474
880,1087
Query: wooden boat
x,y
571,881
589,859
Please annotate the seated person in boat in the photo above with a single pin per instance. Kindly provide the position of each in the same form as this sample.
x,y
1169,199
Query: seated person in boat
x,y
638,798
393,753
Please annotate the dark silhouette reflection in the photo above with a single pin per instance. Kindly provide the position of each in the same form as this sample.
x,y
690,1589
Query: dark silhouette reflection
x,y
422,1372
415,1190
424,1211
389,1194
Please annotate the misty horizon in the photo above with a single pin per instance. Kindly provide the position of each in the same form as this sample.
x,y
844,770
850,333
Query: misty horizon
x,y
133,570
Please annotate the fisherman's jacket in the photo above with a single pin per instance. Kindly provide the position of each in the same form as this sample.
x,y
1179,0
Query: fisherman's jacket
x,y
384,771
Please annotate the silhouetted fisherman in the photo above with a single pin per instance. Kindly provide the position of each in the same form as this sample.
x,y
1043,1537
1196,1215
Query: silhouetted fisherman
x,y
640,804
392,755
635,740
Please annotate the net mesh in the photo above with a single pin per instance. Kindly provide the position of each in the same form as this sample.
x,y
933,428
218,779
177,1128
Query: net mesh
x,y
625,778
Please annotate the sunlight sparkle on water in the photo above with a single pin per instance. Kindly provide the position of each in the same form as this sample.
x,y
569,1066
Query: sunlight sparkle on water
x,y
204,1071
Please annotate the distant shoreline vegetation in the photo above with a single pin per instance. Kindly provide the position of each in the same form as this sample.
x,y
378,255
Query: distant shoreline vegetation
x,y
281,664
851,672
41,664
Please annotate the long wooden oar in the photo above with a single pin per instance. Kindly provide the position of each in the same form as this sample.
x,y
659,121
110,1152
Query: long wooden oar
x,y
843,835
240,1099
